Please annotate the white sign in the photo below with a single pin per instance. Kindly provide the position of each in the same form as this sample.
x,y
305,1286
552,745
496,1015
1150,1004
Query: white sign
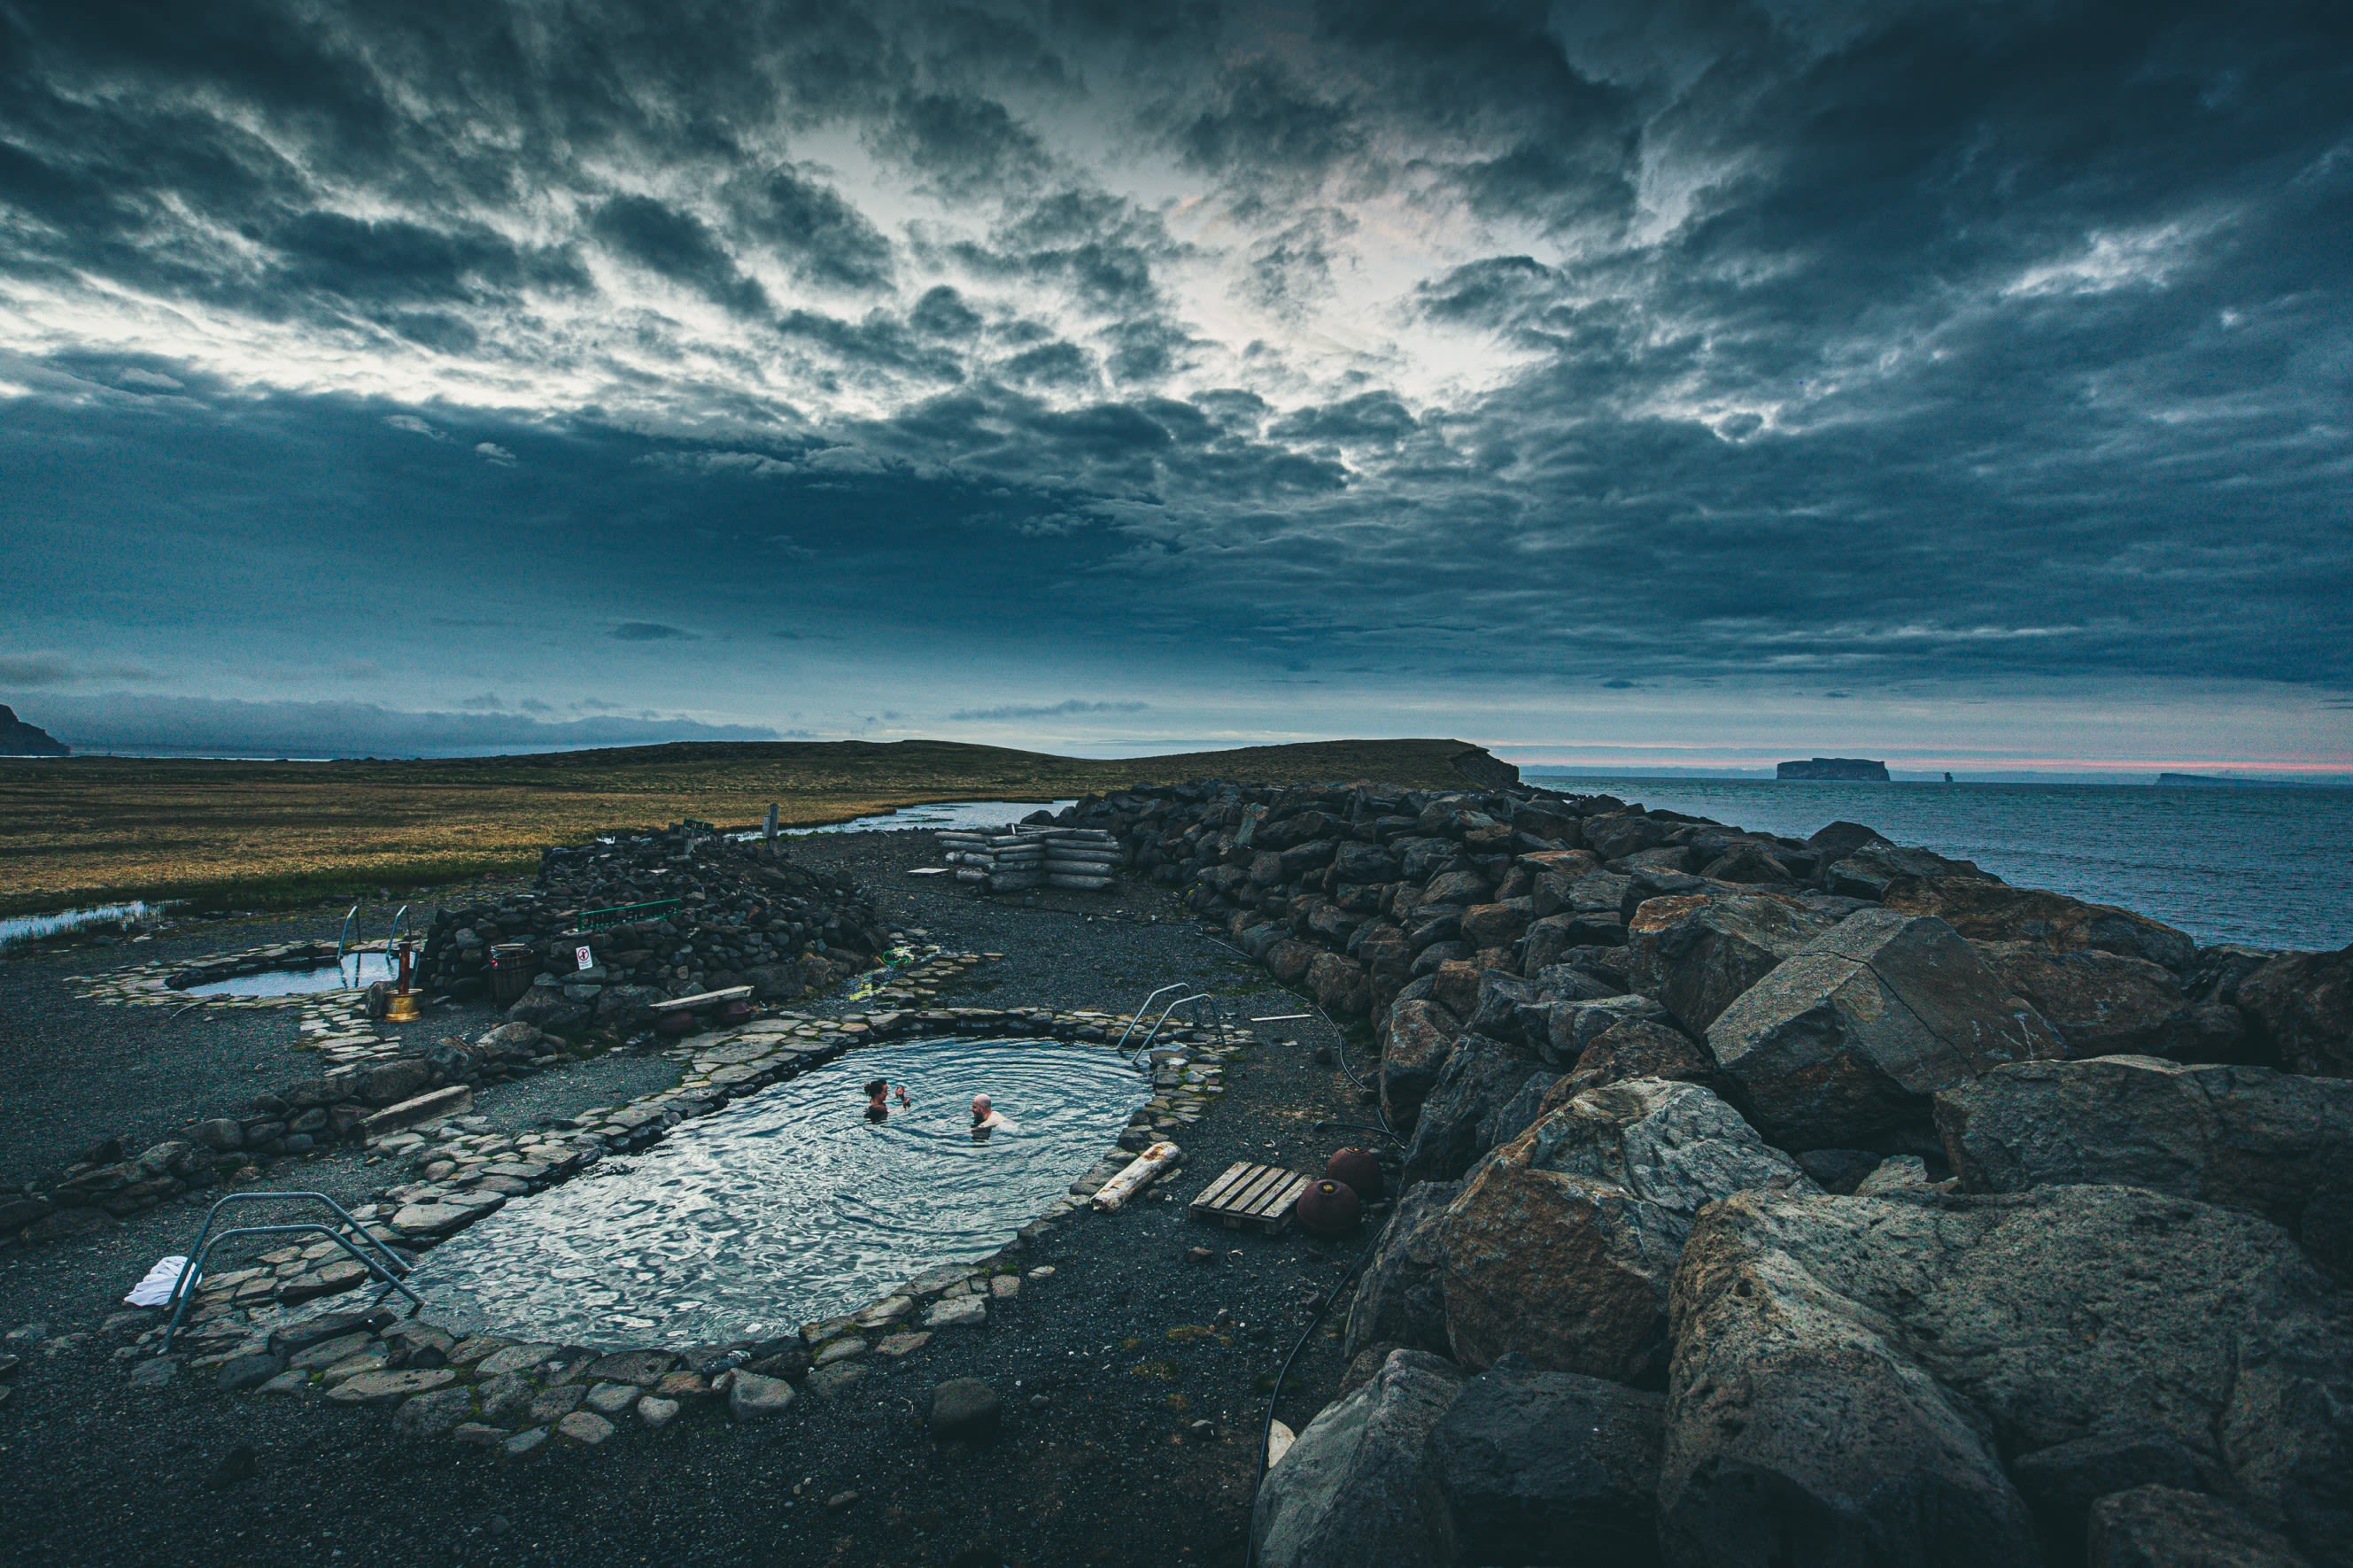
x,y
587,959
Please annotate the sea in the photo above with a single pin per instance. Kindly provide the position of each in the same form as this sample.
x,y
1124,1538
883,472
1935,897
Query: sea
x,y
2268,867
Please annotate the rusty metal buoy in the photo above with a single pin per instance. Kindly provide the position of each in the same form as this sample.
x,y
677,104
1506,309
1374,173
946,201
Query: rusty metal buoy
x,y
1359,1169
1328,1208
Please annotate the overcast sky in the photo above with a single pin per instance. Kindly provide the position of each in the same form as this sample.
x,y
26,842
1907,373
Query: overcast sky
x,y
1968,383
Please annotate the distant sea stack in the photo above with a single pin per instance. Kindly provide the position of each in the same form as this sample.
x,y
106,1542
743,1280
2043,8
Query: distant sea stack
x,y
18,739
1838,770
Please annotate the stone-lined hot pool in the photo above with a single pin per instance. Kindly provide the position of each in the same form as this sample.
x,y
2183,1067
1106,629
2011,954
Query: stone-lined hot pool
x,y
791,1205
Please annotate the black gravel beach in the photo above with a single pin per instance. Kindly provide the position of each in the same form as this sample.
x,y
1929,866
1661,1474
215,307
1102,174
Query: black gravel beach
x,y
1133,1375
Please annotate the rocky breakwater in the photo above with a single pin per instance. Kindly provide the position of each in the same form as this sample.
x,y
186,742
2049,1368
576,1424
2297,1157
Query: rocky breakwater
x,y
1778,1201
665,916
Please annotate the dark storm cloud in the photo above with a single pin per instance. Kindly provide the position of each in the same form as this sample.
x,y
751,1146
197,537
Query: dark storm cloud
x,y
821,235
680,248
1925,341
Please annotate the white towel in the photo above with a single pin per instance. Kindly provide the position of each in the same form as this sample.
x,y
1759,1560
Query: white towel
x,y
155,1291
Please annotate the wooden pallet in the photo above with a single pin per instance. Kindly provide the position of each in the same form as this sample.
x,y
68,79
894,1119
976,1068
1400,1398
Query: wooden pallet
x,y
1252,1197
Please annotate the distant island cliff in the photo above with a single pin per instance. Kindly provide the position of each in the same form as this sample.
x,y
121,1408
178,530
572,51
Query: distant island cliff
x,y
18,739
1843,769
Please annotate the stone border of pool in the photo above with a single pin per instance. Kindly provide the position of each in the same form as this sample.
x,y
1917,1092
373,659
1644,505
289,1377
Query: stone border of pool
x,y
149,984
515,1398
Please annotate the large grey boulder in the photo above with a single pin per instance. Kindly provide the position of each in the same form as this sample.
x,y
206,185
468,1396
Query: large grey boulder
x,y
2106,1004
1848,1370
1350,1490
1548,1466
2304,1004
1401,1294
1695,953
2169,1527
1986,910
1564,1242
1420,1036
1480,1079
1848,1039
1640,1047
1866,872
2278,1143
1572,1025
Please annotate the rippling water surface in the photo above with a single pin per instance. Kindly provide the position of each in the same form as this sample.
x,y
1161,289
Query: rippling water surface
x,y
790,1205
2269,867
357,969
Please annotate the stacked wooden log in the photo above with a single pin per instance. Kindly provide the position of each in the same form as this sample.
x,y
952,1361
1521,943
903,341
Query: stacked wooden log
x,y
1017,859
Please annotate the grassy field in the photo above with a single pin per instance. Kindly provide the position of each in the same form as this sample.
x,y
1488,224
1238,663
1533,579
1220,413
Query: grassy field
x,y
249,835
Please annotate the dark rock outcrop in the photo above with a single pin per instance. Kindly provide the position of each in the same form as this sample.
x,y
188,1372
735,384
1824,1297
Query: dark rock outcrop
x,y
1351,1489
1849,1372
18,739
1401,1295
1545,1467
1848,1039
2280,1144
1564,1242
2304,1004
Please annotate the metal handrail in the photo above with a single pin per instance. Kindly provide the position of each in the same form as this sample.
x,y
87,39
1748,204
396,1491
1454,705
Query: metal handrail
x,y
388,1269
343,942
1121,1044
1163,1019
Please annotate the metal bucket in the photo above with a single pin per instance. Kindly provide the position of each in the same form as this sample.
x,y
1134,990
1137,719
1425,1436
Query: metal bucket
x,y
513,966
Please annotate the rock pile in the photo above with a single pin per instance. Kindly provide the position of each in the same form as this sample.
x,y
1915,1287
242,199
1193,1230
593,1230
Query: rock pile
x,y
664,915
1815,1202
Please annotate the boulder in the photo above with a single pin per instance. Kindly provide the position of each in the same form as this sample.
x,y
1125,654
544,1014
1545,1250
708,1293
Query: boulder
x,y
1528,1462
2168,1527
1850,1036
1695,953
1563,1242
1288,960
2103,1004
1866,872
1339,985
2303,1002
1619,834
1506,1007
1748,862
1847,1370
1481,1077
1497,924
1420,1034
1640,1047
1571,1027
1458,888
2061,1482
1364,863
2278,1143
545,1007
1350,1491
623,1010
965,1410
1401,1295
1987,911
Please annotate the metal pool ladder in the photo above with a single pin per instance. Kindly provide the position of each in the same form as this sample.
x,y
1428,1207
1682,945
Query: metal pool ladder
x,y
1216,1016
387,1266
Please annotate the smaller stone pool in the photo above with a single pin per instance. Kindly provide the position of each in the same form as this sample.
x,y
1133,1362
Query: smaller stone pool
x,y
356,972
791,1206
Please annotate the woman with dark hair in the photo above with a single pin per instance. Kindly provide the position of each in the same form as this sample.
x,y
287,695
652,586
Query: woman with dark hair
x,y
878,1108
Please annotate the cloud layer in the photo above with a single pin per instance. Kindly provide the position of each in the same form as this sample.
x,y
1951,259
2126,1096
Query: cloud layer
x,y
1767,348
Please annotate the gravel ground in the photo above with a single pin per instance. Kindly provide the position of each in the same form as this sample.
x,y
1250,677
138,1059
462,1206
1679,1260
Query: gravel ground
x,y
1103,1467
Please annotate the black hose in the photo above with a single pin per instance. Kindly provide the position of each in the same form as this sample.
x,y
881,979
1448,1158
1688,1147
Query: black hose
x,y
1361,1127
1266,1427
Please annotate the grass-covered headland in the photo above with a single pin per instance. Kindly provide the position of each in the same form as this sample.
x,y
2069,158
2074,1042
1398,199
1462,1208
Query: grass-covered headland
x,y
83,829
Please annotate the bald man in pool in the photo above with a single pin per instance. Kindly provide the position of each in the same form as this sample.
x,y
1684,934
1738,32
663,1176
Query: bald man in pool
x,y
986,1119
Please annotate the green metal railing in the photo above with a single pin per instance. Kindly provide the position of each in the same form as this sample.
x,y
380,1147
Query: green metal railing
x,y
620,914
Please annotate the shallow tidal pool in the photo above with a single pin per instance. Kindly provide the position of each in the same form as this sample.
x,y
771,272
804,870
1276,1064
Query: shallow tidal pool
x,y
791,1205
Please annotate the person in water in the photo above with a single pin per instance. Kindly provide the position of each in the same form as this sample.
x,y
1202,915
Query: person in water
x,y
877,1109
986,1119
